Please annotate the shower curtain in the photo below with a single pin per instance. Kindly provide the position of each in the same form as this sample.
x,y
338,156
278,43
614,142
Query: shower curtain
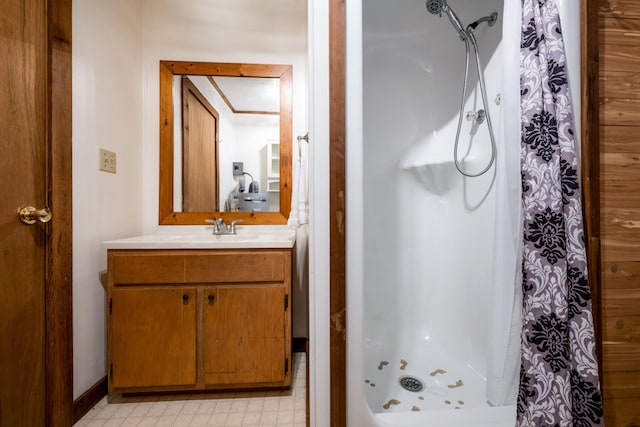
x,y
559,373
505,323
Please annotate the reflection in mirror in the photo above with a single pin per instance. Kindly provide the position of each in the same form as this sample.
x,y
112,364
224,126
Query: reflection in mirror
x,y
225,142
196,150
226,121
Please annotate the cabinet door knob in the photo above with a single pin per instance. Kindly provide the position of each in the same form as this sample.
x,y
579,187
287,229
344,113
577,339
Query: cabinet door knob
x,y
185,297
211,298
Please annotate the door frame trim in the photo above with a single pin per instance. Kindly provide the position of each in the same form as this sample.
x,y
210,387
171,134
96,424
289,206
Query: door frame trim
x,y
590,149
58,286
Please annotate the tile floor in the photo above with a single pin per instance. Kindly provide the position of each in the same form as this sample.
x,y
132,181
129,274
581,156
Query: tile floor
x,y
266,409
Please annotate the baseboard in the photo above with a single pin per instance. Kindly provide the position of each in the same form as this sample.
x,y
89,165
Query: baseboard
x,y
299,345
89,399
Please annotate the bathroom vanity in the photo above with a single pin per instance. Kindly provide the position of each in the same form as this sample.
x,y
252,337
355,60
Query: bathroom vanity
x,y
199,312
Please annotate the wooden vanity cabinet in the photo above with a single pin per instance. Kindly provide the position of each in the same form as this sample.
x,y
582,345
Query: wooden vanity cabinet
x,y
244,334
198,319
153,336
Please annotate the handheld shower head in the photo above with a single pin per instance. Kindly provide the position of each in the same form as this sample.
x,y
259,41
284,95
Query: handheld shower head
x,y
436,7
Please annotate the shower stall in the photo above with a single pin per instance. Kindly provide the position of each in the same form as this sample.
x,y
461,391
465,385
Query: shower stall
x,y
421,212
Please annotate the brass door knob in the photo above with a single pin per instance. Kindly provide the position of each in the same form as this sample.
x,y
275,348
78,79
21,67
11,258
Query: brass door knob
x,y
30,215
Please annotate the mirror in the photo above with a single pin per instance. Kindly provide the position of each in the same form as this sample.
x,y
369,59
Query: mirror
x,y
196,186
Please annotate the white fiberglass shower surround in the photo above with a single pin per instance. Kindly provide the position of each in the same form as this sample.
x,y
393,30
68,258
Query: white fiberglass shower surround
x,y
420,235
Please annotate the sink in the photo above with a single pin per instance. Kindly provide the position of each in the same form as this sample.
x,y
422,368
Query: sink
x,y
201,238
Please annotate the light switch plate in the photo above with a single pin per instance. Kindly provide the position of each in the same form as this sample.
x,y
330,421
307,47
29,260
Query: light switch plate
x,y
107,161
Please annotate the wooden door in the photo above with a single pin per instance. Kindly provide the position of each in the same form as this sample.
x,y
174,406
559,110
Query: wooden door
x,y
244,334
152,337
35,260
199,151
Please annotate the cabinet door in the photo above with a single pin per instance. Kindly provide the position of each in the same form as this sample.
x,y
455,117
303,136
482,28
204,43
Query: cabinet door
x,y
152,337
244,334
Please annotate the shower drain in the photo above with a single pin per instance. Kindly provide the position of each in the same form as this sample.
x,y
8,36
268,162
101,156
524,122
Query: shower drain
x,y
411,383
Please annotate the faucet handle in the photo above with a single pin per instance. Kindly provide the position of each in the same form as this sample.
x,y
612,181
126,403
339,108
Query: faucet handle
x,y
217,223
212,221
232,226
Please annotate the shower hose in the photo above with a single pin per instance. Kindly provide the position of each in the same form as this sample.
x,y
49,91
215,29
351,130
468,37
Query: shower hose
x,y
483,91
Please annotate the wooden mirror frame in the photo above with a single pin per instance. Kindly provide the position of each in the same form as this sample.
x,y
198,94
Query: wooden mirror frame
x,y
168,69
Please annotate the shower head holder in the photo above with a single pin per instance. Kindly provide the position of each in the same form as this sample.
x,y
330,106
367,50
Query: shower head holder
x,y
490,20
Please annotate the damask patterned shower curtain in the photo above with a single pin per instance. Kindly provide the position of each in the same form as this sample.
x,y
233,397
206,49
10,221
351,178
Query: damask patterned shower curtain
x,y
559,373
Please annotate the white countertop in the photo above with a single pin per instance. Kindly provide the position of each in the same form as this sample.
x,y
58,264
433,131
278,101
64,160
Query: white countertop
x,y
201,237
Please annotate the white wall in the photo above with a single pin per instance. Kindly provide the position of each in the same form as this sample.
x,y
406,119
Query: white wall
x,y
254,131
319,221
107,113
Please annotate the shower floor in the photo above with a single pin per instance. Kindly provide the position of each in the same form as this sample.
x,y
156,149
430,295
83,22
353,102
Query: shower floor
x,y
449,384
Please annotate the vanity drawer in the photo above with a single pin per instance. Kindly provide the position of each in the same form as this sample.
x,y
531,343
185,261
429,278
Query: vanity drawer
x,y
257,266
141,267
220,266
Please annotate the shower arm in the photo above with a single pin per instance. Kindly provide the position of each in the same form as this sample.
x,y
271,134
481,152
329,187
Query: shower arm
x,y
490,20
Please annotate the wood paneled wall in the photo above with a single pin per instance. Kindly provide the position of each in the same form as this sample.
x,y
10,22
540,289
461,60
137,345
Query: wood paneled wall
x,y
337,213
619,25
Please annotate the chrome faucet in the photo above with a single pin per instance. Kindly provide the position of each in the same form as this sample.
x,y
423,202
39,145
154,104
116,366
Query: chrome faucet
x,y
221,227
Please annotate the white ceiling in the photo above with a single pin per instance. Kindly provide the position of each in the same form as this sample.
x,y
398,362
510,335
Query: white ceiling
x,y
251,93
